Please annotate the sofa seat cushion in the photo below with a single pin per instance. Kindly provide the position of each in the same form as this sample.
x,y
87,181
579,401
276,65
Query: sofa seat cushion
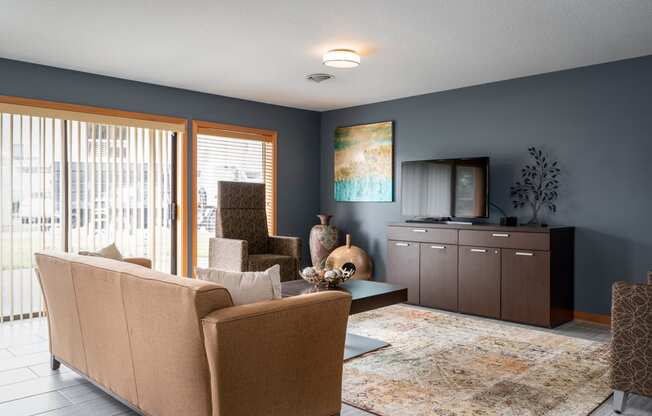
x,y
289,266
246,287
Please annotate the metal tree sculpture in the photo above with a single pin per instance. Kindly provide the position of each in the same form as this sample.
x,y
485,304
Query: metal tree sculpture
x,y
539,186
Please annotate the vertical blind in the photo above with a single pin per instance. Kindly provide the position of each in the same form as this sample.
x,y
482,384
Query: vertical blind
x,y
115,175
30,207
229,159
73,185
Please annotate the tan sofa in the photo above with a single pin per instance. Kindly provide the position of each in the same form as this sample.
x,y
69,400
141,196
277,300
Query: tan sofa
x,y
175,346
141,261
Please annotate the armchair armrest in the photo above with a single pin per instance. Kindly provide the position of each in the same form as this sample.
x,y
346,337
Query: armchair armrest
x,y
141,261
284,355
286,246
228,254
631,345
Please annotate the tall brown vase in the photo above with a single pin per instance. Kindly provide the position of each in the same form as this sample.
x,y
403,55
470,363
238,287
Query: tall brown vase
x,y
323,240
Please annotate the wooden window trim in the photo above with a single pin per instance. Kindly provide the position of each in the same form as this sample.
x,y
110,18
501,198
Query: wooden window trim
x,y
234,131
180,125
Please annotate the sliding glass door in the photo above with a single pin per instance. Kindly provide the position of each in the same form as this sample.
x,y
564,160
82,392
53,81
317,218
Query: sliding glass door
x,y
120,189
72,185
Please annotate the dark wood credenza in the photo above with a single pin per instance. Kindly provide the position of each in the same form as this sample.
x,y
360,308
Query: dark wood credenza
x,y
520,274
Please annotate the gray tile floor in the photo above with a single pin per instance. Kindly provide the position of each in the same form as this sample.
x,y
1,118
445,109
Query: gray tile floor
x,y
29,387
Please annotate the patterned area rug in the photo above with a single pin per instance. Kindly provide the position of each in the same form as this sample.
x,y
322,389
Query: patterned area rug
x,y
447,365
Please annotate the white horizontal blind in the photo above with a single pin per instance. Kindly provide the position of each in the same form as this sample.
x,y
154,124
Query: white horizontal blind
x,y
229,159
75,185
268,174
31,202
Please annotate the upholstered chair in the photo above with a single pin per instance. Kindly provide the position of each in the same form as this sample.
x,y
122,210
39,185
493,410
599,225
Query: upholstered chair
x,y
631,345
241,241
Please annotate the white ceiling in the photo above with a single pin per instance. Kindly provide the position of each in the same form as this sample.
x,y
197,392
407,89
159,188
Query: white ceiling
x,y
262,50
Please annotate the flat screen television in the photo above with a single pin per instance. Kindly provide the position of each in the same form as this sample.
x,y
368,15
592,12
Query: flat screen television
x,y
445,188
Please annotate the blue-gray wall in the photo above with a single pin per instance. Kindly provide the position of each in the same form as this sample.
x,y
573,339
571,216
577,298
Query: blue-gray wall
x,y
298,130
597,121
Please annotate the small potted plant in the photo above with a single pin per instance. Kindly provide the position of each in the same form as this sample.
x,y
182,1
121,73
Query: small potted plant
x,y
538,187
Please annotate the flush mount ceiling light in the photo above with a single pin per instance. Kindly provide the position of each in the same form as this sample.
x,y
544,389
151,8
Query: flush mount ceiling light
x,y
341,58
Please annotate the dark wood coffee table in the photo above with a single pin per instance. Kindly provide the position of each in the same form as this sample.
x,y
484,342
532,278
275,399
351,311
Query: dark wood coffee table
x,y
365,296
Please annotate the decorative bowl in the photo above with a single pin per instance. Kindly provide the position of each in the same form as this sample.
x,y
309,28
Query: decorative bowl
x,y
326,277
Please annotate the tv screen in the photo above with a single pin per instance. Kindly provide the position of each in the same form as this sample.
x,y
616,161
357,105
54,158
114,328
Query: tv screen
x,y
455,188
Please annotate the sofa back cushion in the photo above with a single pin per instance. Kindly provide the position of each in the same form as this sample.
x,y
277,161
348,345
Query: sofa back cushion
x,y
134,331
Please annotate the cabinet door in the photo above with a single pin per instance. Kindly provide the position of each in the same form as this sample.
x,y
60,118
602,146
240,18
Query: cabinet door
x,y
438,283
525,286
403,267
479,281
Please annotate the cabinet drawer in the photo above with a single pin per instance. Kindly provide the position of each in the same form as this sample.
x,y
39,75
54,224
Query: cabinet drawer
x,y
422,234
506,239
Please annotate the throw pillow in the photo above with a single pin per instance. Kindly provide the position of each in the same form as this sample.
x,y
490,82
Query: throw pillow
x,y
109,252
246,287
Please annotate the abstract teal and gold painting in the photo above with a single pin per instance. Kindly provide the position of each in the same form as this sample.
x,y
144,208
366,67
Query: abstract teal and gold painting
x,y
364,162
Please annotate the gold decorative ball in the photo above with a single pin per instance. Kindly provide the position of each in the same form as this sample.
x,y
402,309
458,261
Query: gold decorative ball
x,y
350,257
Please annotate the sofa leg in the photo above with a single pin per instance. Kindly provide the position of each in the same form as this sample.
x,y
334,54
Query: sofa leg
x,y
619,401
54,363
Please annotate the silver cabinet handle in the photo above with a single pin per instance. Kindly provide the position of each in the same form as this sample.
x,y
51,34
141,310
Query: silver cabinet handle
x,y
478,250
419,230
503,235
524,253
402,244
439,247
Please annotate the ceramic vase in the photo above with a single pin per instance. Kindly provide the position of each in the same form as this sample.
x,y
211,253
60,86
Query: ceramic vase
x,y
323,240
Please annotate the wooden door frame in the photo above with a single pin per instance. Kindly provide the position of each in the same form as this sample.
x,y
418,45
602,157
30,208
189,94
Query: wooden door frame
x,y
181,123
224,130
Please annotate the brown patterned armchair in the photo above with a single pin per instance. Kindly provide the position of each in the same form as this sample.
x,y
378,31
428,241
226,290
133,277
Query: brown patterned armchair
x,y
631,345
242,242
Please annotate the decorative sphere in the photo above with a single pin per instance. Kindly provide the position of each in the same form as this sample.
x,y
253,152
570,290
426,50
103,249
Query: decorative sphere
x,y
352,259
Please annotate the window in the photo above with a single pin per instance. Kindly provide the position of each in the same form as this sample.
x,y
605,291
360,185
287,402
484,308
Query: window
x,y
75,181
229,153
